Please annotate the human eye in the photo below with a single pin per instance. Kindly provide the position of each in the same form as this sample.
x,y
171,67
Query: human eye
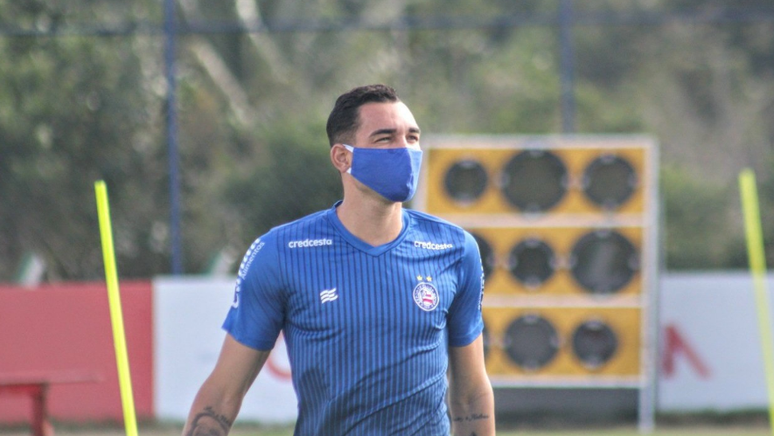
x,y
412,136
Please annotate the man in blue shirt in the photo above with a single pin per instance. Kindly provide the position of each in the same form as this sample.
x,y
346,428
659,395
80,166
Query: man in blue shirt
x,y
378,304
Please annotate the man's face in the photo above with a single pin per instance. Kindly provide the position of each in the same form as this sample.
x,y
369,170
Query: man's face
x,y
386,125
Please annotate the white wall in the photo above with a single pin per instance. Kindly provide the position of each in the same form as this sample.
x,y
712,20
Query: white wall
x,y
715,316
188,313
710,357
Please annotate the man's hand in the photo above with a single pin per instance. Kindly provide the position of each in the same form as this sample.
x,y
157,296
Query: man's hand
x,y
218,401
209,423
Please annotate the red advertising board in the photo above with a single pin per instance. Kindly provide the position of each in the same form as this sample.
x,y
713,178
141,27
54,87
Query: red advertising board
x,y
63,332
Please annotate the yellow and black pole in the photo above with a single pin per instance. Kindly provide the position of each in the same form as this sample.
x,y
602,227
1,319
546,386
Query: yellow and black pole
x,y
757,259
114,300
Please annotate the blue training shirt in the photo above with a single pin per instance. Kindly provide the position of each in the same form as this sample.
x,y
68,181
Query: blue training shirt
x,y
367,328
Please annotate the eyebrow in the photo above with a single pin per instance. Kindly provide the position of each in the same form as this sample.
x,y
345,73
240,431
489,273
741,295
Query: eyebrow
x,y
392,131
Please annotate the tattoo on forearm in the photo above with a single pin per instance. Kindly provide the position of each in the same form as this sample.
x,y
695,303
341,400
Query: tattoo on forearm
x,y
470,418
209,423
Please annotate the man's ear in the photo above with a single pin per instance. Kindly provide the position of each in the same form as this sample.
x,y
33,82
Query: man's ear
x,y
341,158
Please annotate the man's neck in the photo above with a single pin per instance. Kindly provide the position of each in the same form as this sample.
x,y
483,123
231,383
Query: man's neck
x,y
371,220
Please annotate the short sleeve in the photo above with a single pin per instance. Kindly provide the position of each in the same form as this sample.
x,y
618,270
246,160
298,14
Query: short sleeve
x,y
465,321
257,313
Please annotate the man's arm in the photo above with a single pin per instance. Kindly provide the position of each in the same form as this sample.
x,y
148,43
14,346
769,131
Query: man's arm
x,y
218,401
471,399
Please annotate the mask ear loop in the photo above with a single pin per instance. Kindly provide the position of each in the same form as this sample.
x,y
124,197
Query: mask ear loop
x,y
351,150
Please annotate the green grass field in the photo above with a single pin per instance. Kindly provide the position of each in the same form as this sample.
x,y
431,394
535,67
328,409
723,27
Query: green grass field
x,y
622,432
606,432
735,430
250,430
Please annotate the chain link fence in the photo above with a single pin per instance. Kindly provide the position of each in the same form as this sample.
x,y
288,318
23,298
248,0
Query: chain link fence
x,y
85,96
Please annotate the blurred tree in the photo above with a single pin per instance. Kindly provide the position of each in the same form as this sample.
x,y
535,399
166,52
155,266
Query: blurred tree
x,y
252,109
694,210
288,177
76,110
711,111
765,184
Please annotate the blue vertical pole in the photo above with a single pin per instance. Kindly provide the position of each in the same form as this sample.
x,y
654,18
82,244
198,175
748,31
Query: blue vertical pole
x,y
174,182
567,66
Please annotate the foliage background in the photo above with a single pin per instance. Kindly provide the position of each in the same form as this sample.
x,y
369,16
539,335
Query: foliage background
x,y
79,107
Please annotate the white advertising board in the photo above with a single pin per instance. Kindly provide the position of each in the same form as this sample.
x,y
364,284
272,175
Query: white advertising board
x,y
709,357
188,314
710,340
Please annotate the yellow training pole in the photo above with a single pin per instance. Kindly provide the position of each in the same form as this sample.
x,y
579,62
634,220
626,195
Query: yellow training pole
x,y
752,221
114,299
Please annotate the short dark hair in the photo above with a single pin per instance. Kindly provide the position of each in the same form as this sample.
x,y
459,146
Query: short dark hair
x,y
344,119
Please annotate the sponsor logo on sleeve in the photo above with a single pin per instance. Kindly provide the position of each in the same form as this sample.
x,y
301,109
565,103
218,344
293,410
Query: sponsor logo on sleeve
x,y
244,266
250,256
481,297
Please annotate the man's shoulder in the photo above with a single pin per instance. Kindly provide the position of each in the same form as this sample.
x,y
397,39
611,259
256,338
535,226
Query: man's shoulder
x,y
425,219
310,231
308,221
432,226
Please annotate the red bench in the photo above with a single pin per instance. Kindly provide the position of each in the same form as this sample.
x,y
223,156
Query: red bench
x,y
36,385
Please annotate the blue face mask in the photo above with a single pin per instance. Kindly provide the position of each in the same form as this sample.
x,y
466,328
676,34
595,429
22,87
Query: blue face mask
x,y
392,172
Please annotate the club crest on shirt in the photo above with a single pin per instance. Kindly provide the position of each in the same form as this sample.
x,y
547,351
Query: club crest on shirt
x,y
426,296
